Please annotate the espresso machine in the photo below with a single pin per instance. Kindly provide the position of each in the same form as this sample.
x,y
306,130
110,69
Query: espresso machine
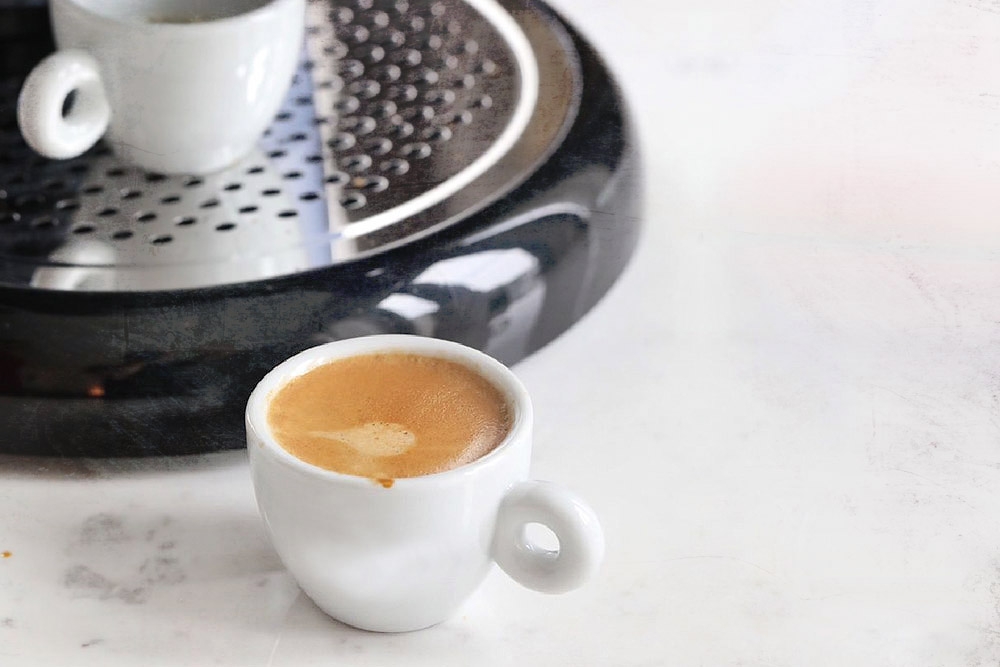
x,y
450,168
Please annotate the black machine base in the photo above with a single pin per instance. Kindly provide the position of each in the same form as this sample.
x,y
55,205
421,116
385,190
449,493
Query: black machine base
x,y
168,372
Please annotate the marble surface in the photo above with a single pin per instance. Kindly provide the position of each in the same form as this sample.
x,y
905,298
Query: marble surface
x,y
786,413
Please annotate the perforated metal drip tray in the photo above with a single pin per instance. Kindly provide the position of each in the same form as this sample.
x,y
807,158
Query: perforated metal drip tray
x,y
454,169
402,118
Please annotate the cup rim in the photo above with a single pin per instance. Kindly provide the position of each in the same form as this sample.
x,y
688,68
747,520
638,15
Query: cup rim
x,y
261,12
495,372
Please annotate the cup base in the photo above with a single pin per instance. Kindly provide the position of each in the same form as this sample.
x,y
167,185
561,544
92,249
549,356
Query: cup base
x,y
206,162
385,626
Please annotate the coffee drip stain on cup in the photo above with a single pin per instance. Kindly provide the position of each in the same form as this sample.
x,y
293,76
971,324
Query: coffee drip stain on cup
x,y
374,439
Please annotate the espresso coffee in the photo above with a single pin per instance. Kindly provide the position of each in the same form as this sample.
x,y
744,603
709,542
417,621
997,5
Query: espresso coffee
x,y
389,415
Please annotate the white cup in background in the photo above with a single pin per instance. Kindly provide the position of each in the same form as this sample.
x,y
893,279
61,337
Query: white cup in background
x,y
175,86
405,557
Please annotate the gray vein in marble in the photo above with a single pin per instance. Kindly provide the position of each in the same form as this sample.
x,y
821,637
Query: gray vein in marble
x,y
104,534
162,570
103,528
88,583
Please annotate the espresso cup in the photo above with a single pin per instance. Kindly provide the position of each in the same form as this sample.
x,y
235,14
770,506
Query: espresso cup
x,y
404,555
175,86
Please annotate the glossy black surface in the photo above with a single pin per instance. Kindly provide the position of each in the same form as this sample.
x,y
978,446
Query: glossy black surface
x,y
168,372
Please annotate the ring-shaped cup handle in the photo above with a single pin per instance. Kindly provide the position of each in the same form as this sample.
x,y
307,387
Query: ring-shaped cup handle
x,y
581,540
49,127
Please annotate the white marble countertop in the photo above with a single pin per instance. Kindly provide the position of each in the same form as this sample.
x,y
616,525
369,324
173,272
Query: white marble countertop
x,y
786,413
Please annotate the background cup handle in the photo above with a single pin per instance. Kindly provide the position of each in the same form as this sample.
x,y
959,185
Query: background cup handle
x,y
43,98
581,540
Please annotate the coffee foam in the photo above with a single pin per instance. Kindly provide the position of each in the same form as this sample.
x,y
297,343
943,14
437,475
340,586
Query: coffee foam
x,y
372,438
389,415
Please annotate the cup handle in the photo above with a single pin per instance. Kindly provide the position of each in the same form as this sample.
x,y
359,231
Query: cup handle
x,y
581,540
43,96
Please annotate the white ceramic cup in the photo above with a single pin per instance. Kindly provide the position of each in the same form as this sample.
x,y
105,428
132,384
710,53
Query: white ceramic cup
x,y
405,557
173,97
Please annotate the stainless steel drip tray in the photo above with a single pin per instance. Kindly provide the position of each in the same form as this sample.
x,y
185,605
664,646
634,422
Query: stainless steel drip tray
x,y
403,117
461,170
